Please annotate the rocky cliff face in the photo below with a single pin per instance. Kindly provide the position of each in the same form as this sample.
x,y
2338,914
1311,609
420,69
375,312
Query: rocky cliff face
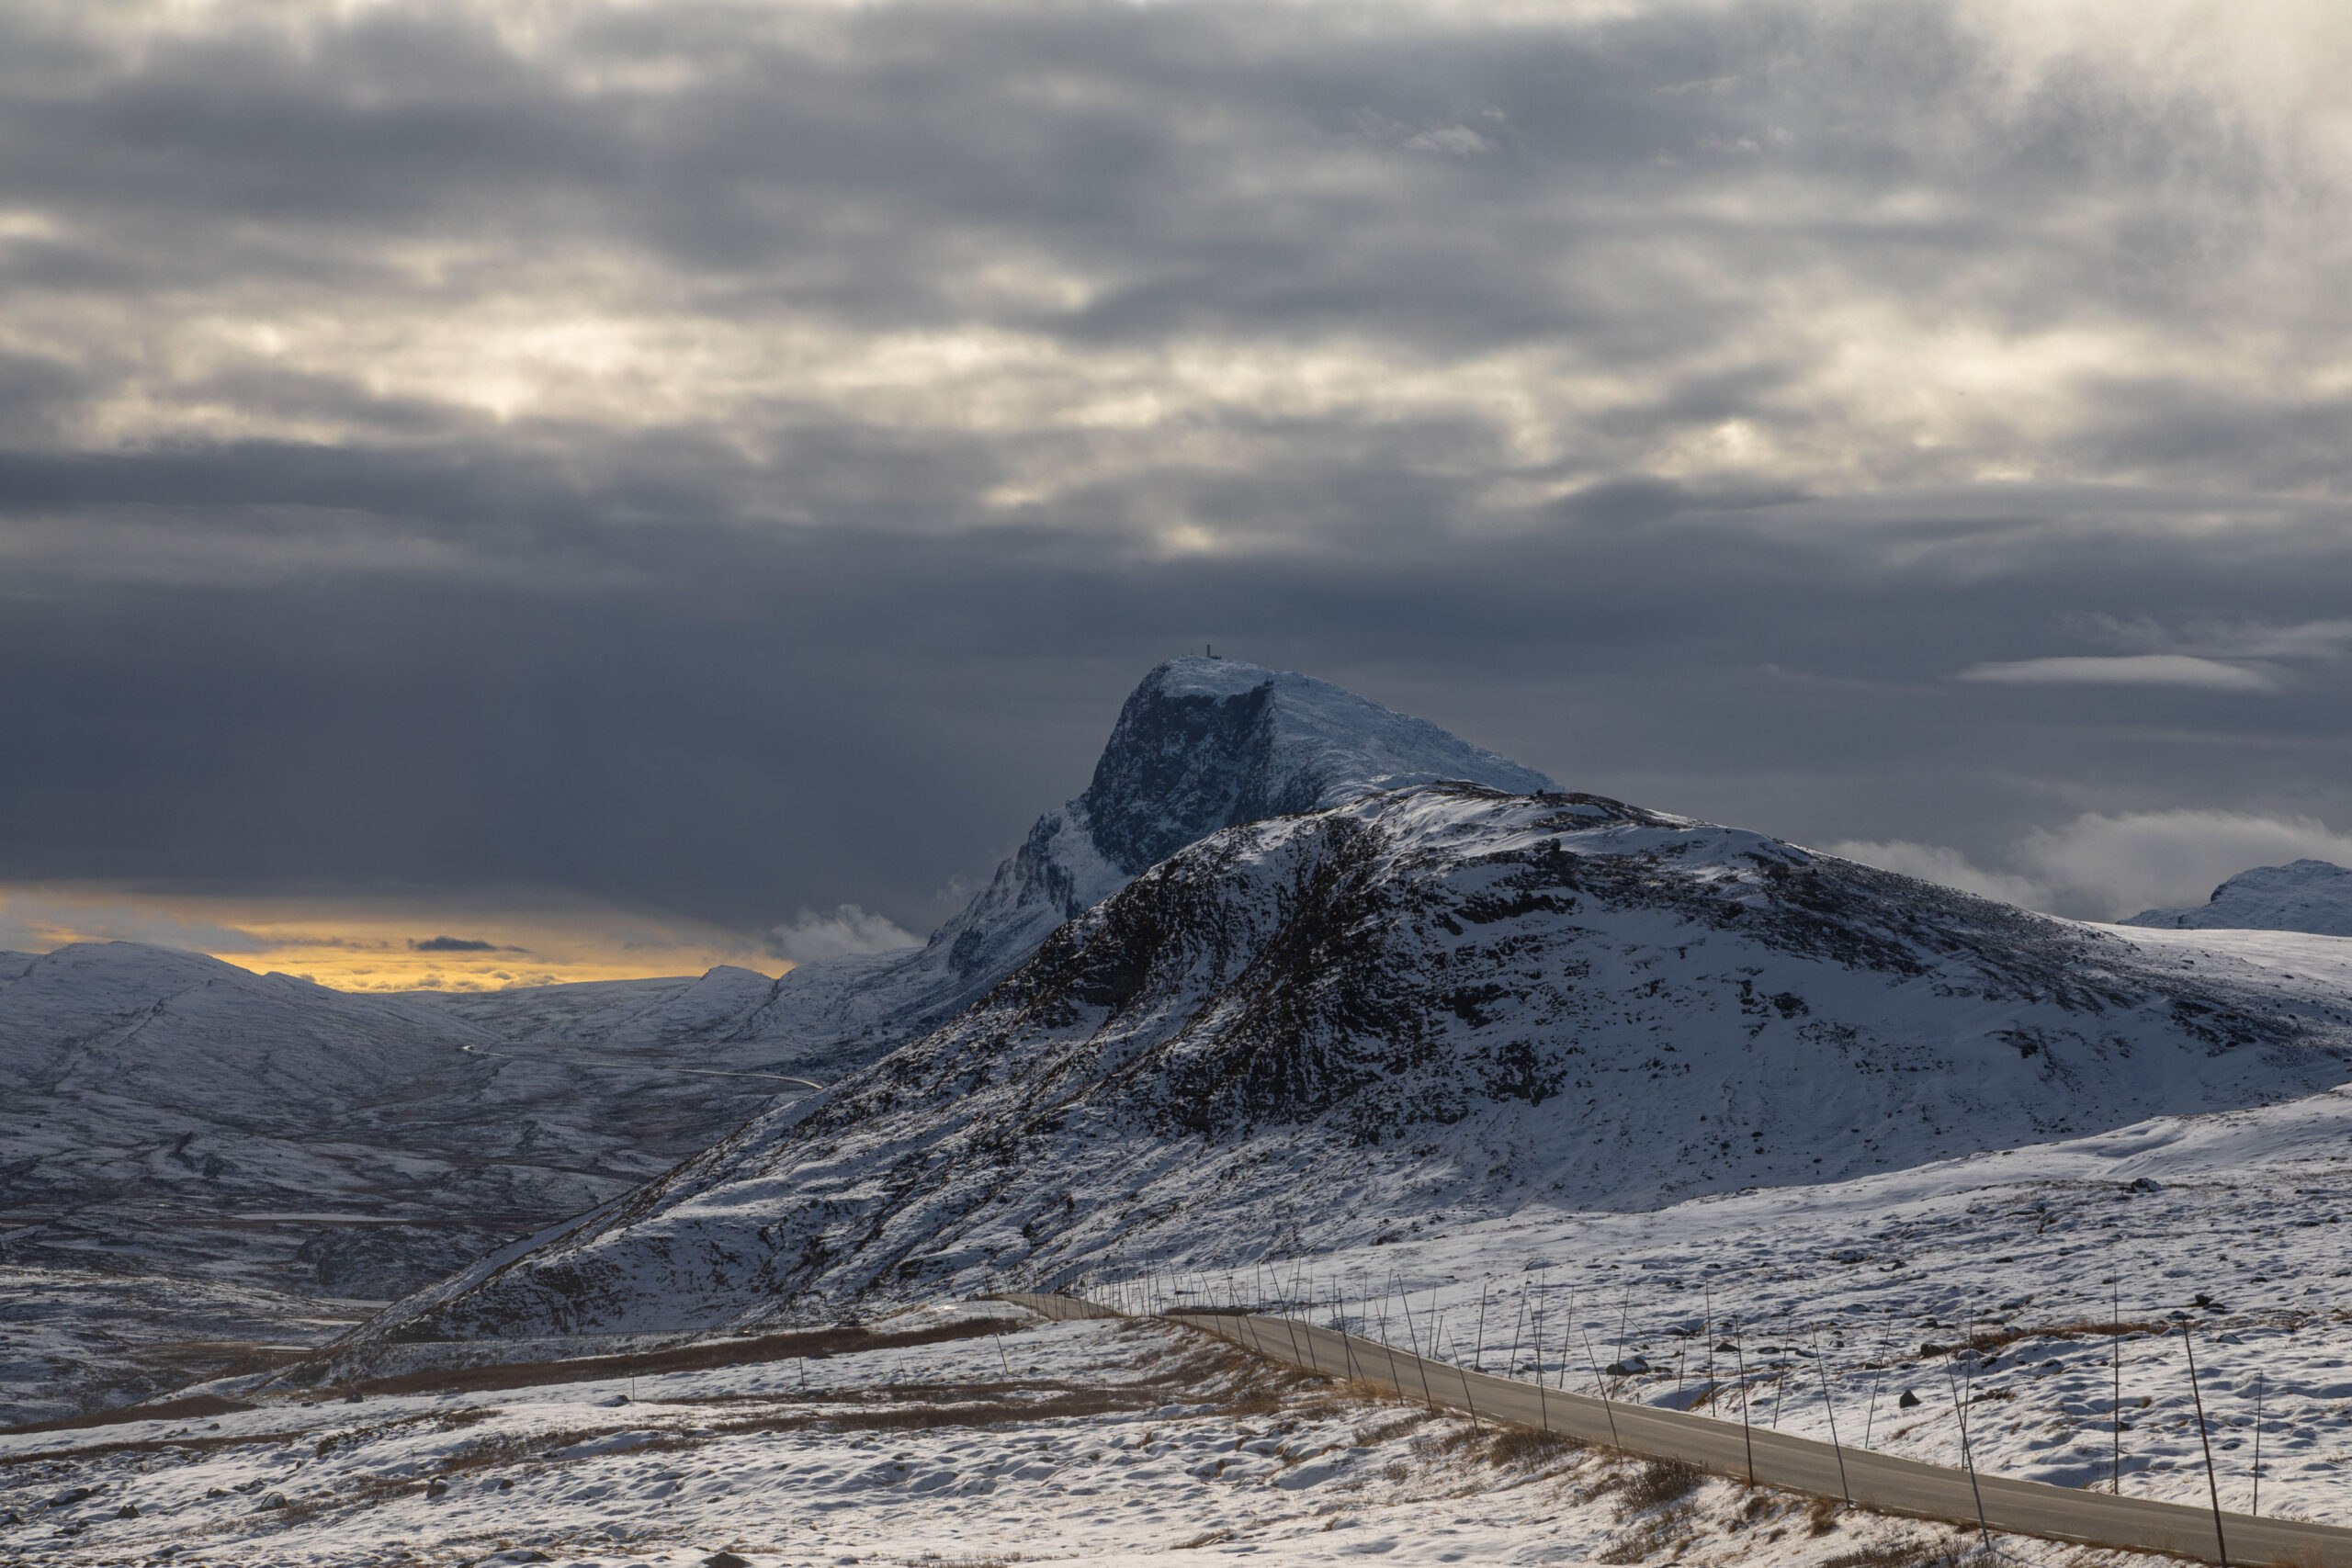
x,y
2303,895
1438,1001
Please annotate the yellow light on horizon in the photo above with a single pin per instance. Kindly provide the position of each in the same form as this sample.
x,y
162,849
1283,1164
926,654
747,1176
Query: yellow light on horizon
x,y
387,945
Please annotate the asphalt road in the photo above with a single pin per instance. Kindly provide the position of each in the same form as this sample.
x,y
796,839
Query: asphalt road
x,y
1875,1481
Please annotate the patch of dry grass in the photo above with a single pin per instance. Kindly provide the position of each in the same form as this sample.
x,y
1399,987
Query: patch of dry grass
x,y
1657,1483
1903,1551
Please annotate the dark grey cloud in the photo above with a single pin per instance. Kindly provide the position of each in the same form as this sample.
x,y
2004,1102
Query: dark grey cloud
x,y
458,944
732,460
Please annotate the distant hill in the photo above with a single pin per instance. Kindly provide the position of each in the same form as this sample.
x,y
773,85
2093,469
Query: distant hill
x,y
2303,895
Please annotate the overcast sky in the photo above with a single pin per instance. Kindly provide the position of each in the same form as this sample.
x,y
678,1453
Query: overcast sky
x,y
725,462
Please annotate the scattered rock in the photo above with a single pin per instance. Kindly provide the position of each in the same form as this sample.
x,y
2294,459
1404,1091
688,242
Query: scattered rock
x,y
70,1496
354,1398
275,1500
726,1560
436,1488
1909,1401
1932,1349
128,1511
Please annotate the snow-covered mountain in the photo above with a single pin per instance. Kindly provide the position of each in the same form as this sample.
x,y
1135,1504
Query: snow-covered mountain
x,y
2302,896
1439,998
175,1127
1200,744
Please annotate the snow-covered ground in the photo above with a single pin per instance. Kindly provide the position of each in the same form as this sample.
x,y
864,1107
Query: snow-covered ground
x,y
2233,1223
1110,1443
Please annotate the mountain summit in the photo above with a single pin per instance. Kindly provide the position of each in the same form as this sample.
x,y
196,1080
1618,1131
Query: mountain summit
x,y
2303,895
1211,743
1200,745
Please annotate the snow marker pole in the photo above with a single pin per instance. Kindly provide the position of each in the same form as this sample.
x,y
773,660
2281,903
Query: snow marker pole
x,y
1347,1345
1516,1328
2211,1485
1821,1365
1478,1341
1707,1307
2115,1343
1543,1406
1606,1402
1414,1339
1623,1314
2256,1509
1959,1411
1886,1340
1746,1432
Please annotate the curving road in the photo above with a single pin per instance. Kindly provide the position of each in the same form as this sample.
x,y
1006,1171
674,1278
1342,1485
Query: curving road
x,y
1876,1481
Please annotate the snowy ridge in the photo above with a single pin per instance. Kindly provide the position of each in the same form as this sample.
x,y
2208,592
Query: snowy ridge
x,y
1201,744
1298,1031
2303,895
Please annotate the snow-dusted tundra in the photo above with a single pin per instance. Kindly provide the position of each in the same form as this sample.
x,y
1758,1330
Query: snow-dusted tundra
x,y
1302,1001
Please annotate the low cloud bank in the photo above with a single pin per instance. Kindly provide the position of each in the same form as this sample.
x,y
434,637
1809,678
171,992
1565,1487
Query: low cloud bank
x,y
2109,867
847,929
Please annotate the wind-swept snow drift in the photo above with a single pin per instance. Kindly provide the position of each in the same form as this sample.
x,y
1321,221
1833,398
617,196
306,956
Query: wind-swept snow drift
x,y
1438,999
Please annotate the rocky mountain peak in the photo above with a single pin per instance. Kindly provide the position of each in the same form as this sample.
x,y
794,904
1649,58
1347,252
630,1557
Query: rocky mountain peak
x,y
1208,743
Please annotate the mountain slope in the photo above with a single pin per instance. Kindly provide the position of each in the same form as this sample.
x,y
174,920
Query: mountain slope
x,y
2303,895
1200,744
176,1126
189,1146
1436,999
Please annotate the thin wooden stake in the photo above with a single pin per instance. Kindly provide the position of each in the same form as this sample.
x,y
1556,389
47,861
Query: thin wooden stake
x,y
2116,1346
1968,1457
1746,1432
1822,1366
1478,1340
2256,1509
2213,1485
1606,1402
